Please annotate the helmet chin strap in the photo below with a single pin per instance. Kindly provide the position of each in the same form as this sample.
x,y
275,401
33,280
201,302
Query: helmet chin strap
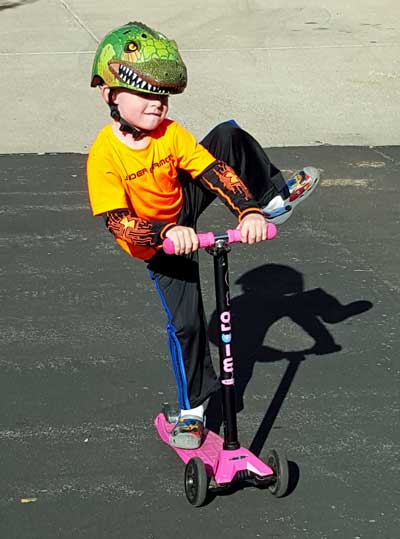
x,y
124,126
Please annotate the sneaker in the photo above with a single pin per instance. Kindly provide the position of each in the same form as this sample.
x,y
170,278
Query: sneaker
x,y
187,433
300,186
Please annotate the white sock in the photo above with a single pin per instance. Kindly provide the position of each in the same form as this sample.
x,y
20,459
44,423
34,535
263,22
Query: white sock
x,y
198,412
274,204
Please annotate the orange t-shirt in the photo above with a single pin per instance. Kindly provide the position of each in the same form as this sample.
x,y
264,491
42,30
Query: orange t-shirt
x,y
145,181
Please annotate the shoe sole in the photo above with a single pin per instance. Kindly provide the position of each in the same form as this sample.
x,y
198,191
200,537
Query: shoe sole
x,y
279,219
185,442
285,216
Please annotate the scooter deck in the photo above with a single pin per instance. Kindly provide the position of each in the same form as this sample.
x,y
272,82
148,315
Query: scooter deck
x,y
221,464
208,452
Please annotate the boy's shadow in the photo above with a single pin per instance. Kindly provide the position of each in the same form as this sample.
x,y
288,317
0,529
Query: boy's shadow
x,y
272,292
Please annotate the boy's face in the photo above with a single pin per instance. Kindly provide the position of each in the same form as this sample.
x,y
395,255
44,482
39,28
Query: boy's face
x,y
145,111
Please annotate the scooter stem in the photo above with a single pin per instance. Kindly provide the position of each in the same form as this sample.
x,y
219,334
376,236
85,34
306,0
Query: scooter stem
x,y
221,275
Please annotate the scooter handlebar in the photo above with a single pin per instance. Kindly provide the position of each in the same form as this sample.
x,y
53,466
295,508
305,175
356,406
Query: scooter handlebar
x,y
208,239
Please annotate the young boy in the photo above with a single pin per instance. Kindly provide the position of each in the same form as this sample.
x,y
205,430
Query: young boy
x,y
150,180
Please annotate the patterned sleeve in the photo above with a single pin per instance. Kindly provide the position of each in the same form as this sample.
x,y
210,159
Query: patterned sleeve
x,y
222,180
123,225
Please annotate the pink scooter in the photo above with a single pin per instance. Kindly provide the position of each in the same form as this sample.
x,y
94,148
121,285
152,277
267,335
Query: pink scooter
x,y
219,462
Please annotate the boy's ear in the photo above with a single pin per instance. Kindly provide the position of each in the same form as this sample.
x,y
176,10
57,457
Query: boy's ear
x,y
105,92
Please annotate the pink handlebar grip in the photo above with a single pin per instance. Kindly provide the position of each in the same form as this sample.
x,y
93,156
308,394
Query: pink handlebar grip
x,y
234,235
205,240
272,231
168,247
208,240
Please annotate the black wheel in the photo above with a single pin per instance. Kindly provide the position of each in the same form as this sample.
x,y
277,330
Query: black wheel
x,y
196,482
278,462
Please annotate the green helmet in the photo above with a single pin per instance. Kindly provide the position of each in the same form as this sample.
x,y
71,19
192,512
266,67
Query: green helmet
x,y
138,58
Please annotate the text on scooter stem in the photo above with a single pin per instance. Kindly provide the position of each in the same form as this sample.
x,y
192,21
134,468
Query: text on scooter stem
x,y
226,337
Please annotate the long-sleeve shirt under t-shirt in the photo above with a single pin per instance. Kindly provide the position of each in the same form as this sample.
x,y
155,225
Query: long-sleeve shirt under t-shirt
x,y
145,181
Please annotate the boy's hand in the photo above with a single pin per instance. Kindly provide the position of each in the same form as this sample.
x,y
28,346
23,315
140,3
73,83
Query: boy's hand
x,y
184,239
253,228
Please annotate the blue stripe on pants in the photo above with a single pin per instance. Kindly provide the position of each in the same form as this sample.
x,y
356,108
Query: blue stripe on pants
x,y
175,351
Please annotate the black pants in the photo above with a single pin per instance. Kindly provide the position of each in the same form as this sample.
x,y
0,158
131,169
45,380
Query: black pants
x,y
177,278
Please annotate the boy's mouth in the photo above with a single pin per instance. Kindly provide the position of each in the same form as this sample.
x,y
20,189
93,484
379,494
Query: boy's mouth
x,y
128,76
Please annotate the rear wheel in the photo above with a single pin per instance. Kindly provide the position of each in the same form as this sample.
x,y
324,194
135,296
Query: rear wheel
x,y
196,482
278,462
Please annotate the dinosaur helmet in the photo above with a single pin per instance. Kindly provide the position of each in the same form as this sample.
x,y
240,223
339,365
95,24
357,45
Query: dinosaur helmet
x,y
138,58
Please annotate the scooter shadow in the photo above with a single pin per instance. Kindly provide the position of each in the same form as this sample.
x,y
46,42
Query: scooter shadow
x,y
270,293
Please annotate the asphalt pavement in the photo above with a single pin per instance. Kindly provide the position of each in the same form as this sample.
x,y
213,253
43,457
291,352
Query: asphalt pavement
x,y
84,366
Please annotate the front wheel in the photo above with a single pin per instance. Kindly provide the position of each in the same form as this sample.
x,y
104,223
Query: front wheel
x,y
196,482
278,462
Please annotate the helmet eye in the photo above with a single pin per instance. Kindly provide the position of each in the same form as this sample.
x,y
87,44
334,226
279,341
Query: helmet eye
x,y
131,46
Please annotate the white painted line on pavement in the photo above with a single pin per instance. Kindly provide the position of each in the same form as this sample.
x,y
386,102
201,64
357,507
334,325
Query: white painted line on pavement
x,y
243,49
79,20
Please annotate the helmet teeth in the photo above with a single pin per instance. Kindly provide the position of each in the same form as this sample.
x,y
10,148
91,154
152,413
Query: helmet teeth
x,y
133,79
126,74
